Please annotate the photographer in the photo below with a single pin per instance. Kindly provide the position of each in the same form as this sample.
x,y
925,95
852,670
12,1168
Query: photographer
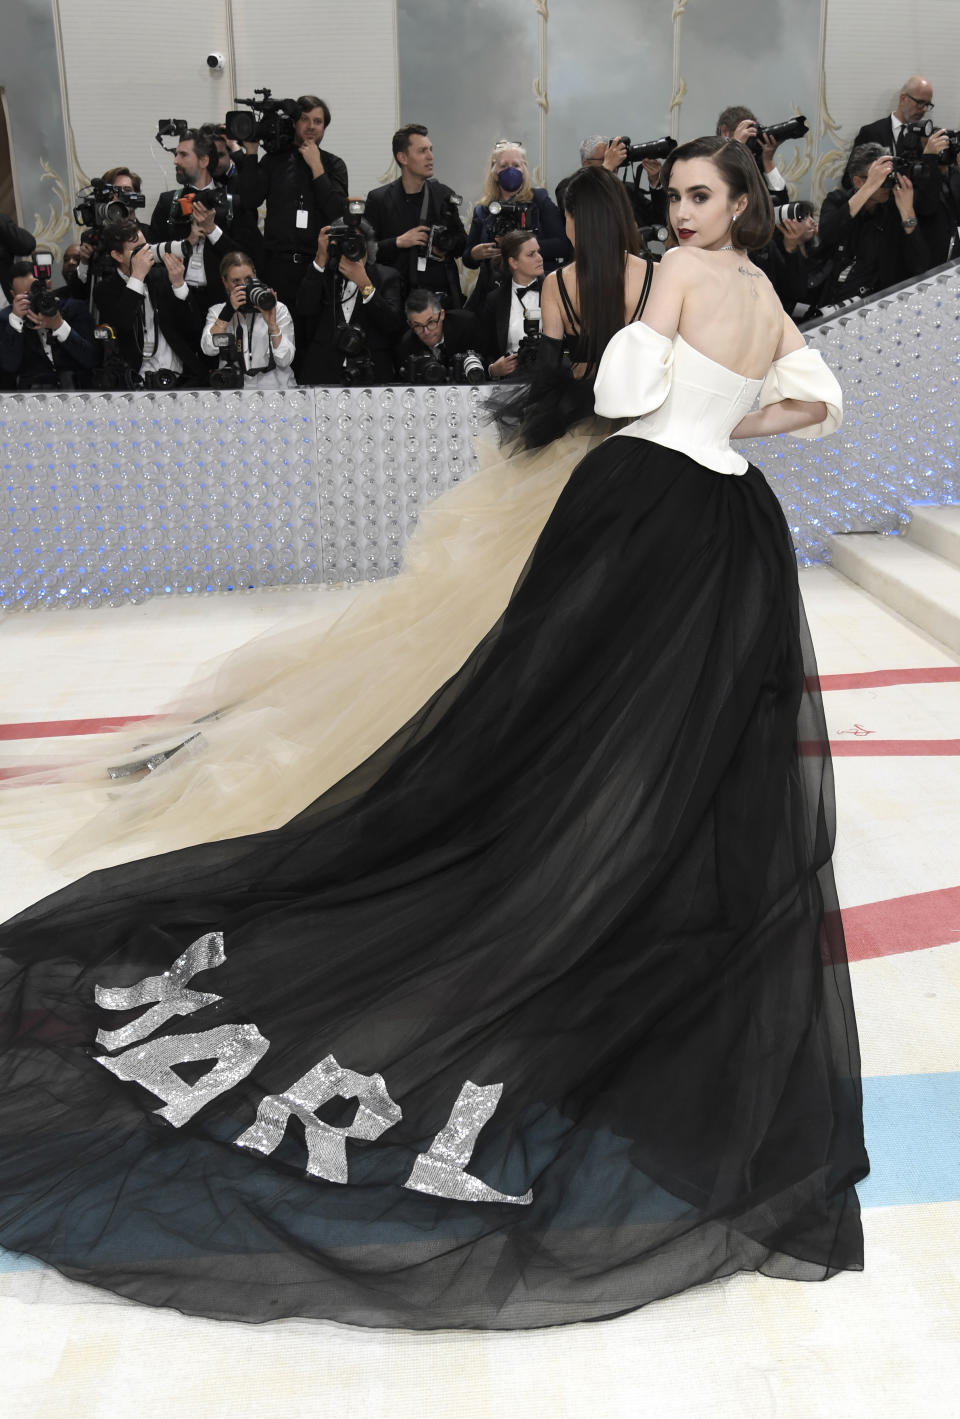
x,y
649,204
45,343
196,212
508,182
443,334
304,187
259,325
502,318
244,223
155,317
871,242
418,226
741,123
349,319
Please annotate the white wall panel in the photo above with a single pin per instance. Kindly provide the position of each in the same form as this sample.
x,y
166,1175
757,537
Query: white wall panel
x,y
127,67
344,53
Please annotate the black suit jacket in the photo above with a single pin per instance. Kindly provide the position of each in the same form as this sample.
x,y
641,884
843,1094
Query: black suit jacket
x,y
388,212
22,354
461,332
318,319
495,320
180,321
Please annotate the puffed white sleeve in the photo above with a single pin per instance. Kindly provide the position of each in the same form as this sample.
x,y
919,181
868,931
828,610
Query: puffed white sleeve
x,y
635,373
803,374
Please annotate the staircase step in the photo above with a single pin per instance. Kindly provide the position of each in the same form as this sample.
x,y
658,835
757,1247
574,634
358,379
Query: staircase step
x,y
937,529
918,584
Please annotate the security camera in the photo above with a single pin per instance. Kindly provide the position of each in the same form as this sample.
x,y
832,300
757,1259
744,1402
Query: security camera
x,y
216,62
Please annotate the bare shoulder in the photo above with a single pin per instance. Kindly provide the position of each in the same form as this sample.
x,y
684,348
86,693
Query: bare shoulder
x,y
790,339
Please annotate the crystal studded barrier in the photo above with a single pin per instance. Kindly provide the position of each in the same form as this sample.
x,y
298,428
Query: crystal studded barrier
x,y
110,498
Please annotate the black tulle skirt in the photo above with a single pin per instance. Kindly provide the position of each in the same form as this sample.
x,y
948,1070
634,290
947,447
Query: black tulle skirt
x,y
540,1014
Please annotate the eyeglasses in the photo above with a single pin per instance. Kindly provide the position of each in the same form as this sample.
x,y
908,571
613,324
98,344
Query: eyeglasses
x,y
430,324
921,103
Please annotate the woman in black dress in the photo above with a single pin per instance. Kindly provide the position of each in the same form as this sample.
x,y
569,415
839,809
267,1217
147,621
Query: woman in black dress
x,y
542,1012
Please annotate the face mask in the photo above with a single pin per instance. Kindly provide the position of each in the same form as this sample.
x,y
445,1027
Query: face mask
x,y
510,179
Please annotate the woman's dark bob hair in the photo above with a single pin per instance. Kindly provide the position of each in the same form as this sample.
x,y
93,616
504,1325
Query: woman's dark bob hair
x,y
737,166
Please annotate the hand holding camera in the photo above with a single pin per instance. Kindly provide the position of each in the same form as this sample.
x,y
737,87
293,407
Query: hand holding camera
x,y
176,269
141,261
416,236
879,173
936,143
903,196
796,232
616,154
20,305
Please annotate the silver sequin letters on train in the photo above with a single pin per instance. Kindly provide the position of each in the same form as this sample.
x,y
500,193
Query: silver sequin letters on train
x,y
236,1048
168,990
440,1170
326,1145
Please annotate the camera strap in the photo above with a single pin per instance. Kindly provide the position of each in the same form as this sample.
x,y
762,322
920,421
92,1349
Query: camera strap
x,y
245,338
424,210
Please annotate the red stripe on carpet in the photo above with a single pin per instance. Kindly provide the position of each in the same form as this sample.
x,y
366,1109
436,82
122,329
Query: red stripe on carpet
x,y
890,748
20,770
871,679
902,924
60,728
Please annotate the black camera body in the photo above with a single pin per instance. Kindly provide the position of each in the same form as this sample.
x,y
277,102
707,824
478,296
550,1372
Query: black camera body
x,y
658,148
42,300
271,122
230,375
182,204
503,217
160,379
351,342
442,238
791,128
346,237
532,335
101,202
426,368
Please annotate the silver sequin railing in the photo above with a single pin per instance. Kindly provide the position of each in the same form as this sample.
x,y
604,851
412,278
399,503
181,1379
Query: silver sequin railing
x,y
112,498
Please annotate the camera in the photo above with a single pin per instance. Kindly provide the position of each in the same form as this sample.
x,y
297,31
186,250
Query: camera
x,y
780,132
181,209
651,237
160,379
258,295
424,368
655,148
793,211
171,128
42,301
358,362
114,372
503,217
469,368
441,239
532,335
230,375
346,237
100,203
270,123
217,63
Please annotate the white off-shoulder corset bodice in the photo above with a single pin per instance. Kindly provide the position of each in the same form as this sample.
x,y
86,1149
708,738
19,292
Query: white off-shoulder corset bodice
x,y
691,403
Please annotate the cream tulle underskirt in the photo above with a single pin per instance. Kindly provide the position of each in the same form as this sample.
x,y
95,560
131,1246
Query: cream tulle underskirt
x,y
297,709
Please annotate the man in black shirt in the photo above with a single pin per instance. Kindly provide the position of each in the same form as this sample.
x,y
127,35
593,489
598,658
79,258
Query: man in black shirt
x,y
54,351
871,241
435,331
304,188
403,214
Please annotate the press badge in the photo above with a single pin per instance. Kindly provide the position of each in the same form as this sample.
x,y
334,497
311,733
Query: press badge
x,y
303,217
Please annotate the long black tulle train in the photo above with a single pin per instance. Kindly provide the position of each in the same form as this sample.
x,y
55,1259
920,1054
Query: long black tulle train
x,y
594,870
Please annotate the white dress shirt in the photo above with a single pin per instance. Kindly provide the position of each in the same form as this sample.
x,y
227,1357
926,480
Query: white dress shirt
x,y
253,337
515,326
61,333
157,351
195,274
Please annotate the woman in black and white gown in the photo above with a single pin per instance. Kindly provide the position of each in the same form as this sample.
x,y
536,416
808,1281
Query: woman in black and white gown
x,y
542,1011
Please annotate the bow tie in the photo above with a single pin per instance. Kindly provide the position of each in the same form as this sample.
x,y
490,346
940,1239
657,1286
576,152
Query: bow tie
x,y
522,290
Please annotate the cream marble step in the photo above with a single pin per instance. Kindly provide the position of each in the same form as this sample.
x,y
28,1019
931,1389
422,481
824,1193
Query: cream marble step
x,y
918,584
937,529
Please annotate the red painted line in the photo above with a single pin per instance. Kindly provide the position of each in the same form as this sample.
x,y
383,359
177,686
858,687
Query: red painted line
x,y
21,770
872,679
887,748
60,728
901,924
